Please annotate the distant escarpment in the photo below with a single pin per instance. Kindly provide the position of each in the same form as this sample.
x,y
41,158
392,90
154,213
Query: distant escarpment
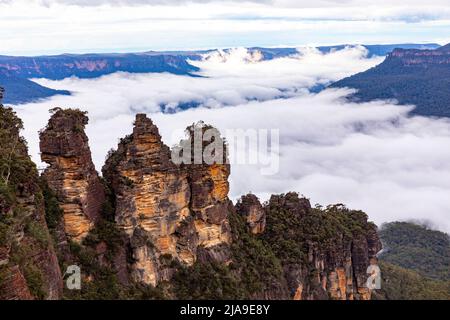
x,y
410,76
17,72
154,228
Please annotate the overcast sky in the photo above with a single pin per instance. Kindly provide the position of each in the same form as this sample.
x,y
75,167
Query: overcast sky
x,y
32,27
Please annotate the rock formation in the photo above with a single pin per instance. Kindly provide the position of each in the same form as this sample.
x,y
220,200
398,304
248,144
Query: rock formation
x,y
208,180
152,201
166,220
250,207
411,57
71,173
28,264
335,247
164,208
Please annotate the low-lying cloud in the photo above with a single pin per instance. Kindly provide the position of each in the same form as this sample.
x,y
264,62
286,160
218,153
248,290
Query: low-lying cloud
x,y
369,156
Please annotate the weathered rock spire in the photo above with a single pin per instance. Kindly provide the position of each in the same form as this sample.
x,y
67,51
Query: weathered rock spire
x,y
253,212
71,173
166,208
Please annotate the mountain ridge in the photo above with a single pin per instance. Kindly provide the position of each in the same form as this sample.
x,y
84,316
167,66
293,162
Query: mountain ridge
x,y
410,76
17,71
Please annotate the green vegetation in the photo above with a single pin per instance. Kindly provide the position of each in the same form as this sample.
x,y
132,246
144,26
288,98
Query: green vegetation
x,y
37,231
20,255
19,189
108,233
415,262
256,263
53,212
79,118
288,233
100,281
403,284
207,281
254,270
418,248
423,85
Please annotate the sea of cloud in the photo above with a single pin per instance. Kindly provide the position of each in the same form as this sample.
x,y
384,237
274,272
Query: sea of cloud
x,y
369,156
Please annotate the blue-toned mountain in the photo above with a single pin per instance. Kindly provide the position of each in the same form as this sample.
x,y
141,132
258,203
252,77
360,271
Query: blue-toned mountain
x,y
410,76
16,72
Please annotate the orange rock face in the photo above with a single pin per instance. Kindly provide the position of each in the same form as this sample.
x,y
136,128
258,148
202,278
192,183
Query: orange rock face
x,y
71,173
251,209
165,209
152,203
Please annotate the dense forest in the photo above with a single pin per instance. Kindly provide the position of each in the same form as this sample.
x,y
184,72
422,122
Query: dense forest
x,y
410,81
415,262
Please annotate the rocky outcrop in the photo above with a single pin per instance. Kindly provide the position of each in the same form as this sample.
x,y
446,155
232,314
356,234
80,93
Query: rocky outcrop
x,y
164,208
28,263
71,173
335,246
152,201
163,220
208,180
440,56
253,212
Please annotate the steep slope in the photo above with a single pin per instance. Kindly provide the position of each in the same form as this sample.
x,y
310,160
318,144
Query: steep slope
x,y
21,90
181,211
418,248
94,65
71,173
324,252
405,284
28,263
417,77
165,230
15,71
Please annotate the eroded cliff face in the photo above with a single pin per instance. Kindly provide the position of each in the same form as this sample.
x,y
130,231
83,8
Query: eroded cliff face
x,y
170,220
71,173
164,208
440,56
208,180
152,201
28,264
334,248
251,209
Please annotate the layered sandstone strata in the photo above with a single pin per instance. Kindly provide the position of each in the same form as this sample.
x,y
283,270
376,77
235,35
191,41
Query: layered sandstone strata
x,y
208,179
337,245
166,209
253,212
71,173
152,201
